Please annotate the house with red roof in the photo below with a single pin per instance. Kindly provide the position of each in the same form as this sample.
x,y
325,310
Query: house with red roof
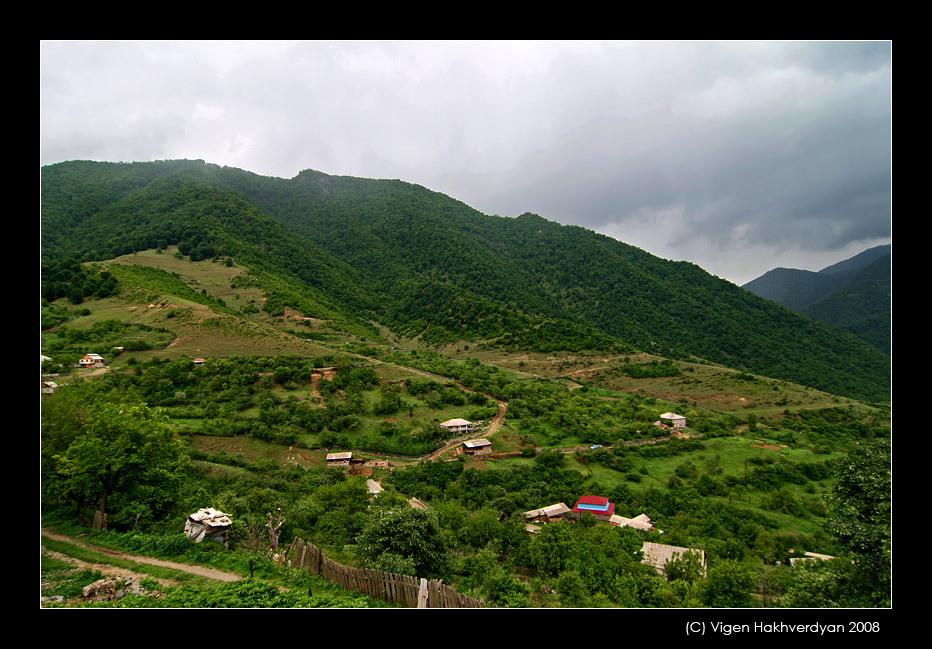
x,y
598,506
92,360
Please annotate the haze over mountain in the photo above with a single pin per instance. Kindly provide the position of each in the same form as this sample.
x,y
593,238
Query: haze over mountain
x,y
853,294
425,265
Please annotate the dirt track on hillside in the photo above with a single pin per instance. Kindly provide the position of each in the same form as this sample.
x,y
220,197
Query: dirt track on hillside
x,y
113,571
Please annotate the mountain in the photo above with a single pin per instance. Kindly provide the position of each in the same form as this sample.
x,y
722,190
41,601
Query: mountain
x,y
853,294
421,264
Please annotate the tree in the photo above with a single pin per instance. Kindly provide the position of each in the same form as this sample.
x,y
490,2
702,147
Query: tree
x,y
412,534
728,585
572,589
275,529
124,457
859,519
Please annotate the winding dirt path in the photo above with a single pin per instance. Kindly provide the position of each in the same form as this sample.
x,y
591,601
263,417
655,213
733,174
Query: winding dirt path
x,y
114,571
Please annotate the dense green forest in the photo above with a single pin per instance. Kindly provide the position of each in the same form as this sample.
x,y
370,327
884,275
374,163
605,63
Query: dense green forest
x,y
342,314
853,295
367,249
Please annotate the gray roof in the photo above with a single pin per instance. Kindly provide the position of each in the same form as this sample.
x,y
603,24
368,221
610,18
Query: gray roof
x,y
550,510
211,517
657,554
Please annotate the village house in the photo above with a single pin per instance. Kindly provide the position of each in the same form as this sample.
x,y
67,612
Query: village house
x,y
208,523
477,446
547,514
657,555
339,459
49,387
641,522
598,506
677,421
457,426
92,360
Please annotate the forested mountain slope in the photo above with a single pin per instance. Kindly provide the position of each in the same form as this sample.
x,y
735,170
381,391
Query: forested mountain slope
x,y
423,263
853,294
861,306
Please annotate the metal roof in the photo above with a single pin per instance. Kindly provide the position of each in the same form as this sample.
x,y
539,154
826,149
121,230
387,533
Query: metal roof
x,y
550,510
211,517
456,422
657,554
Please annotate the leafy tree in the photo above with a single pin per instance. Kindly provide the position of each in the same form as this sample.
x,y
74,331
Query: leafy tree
x,y
572,589
728,585
859,519
412,534
122,456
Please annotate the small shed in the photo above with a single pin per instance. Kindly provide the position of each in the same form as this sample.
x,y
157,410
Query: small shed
x,y
208,523
658,554
480,446
339,459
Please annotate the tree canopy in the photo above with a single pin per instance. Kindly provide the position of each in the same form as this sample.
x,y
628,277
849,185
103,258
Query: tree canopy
x,y
112,451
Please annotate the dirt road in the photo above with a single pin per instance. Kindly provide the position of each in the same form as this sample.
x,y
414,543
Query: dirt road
x,y
114,571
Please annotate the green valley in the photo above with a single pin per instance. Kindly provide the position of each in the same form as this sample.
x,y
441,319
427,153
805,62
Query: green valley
x,y
250,327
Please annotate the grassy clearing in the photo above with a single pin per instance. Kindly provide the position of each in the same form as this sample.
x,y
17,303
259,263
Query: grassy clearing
x,y
699,385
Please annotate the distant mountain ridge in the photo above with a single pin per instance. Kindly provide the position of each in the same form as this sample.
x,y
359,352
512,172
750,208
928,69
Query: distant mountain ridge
x,y
853,294
425,265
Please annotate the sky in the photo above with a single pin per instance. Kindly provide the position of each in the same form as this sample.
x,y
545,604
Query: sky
x,y
738,156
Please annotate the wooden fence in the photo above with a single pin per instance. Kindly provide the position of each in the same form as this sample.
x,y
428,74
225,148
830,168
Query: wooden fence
x,y
404,590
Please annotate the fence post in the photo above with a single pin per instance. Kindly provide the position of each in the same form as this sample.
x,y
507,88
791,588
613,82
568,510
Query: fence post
x,y
422,594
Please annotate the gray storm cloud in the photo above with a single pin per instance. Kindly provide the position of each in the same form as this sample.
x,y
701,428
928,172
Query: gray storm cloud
x,y
751,148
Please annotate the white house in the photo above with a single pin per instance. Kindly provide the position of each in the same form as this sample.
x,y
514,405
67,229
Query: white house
x,y
454,426
92,360
677,421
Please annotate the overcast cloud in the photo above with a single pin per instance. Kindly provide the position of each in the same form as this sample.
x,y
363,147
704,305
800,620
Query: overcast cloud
x,y
737,156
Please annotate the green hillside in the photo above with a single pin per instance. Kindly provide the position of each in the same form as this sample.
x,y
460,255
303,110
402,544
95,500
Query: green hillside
x,y
425,265
252,326
861,306
853,295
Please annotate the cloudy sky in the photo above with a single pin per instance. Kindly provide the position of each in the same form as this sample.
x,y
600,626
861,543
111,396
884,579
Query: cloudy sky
x,y
737,156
